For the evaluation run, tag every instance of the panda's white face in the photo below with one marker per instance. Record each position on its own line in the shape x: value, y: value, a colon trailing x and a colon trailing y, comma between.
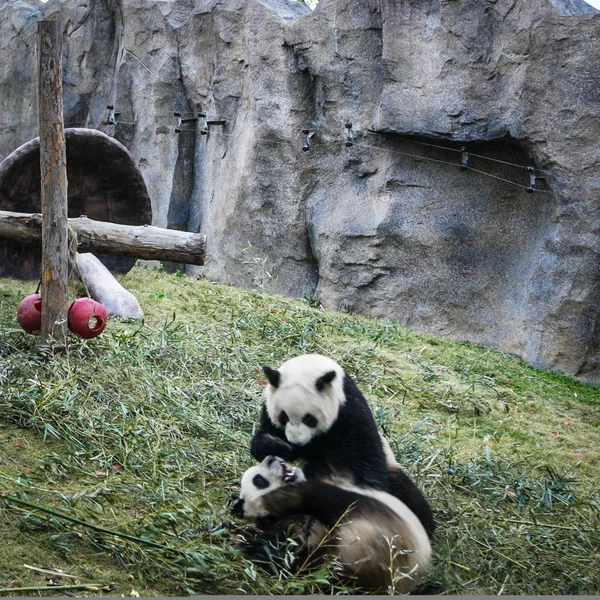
x: 304, y: 396
x: 271, y: 474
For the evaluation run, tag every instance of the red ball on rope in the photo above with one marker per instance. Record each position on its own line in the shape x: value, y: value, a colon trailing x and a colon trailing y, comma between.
x: 29, y: 314
x: 87, y: 318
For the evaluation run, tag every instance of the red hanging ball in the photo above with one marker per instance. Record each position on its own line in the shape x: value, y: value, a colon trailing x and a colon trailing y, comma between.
x: 87, y: 318
x: 29, y: 314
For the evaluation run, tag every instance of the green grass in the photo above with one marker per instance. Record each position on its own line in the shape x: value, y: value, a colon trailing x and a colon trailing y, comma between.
x: 145, y: 431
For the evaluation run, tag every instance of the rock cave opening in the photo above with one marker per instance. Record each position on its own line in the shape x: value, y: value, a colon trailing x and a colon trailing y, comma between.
x: 104, y: 184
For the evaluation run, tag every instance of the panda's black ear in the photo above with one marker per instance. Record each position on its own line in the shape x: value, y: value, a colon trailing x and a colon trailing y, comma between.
x: 324, y: 380
x: 273, y: 376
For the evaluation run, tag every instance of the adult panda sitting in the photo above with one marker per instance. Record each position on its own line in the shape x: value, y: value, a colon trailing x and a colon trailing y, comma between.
x: 379, y: 542
x: 313, y: 412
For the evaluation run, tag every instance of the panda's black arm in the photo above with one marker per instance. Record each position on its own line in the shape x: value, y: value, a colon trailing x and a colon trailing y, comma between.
x: 325, y: 502
x: 269, y: 440
x: 265, y: 444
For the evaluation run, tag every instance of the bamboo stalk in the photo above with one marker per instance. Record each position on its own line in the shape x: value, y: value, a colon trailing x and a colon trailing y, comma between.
x: 125, y: 536
x: 92, y: 587
x: 537, y: 524
x: 49, y: 572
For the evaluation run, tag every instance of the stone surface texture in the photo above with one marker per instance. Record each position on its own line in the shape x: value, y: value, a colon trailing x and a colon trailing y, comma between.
x: 389, y: 227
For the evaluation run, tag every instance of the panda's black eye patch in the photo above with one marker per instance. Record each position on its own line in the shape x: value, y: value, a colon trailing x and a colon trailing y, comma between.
x: 309, y: 420
x: 283, y: 418
x: 260, y: 482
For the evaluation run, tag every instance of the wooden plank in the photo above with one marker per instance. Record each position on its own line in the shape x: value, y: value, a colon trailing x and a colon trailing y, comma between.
x: 53, y: 167
x: 137, y: 241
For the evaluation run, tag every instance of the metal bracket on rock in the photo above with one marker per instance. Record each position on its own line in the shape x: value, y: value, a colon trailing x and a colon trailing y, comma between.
x: 307, y: 135
x: 111, y: 120
x: 209, y: 122
x: 464, y: 159
x: 350, y: 137
x: 181, y: 121
x: 533, y: 178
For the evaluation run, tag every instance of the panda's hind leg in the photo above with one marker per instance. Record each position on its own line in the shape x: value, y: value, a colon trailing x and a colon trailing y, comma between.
x: 405, y: 489
x: 268, y: 544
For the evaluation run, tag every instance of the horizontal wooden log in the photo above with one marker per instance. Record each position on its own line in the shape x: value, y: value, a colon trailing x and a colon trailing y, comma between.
x: 136, y: 241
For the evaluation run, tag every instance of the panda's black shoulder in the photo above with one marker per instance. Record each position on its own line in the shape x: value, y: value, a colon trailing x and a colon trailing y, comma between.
x: 355, y: 413
x: 351, y: 446
x: 351, y: 391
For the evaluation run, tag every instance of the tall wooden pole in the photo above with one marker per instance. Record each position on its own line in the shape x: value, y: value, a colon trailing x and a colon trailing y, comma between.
x: 53, y: 165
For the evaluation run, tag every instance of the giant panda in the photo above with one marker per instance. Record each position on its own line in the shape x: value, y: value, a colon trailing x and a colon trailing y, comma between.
x: 379, y: 542
x: 313, y: 412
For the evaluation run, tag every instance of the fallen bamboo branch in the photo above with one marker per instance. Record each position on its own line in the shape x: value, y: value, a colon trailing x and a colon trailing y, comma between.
x: 50, y: 572
x: 136, y: 241
x: 91, y: 587
x: 12, y: 499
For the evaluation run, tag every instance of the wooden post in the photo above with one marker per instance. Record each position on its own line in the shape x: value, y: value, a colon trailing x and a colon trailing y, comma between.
x: 53, y: 165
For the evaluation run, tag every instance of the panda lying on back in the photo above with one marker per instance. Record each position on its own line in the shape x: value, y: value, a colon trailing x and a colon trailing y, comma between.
x: 313, y: 412
x: 379, y: 542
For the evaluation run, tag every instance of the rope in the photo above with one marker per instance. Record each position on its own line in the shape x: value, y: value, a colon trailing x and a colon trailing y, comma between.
x: 72, y: 243
x: 416, y: 156
x: 73, y: 268
x: 360, y: 145
x: 370, y: 131
x: 504, y: 162
x: 445, y: 162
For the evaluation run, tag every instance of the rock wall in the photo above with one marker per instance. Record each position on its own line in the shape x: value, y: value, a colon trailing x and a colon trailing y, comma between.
x: 389, y: 227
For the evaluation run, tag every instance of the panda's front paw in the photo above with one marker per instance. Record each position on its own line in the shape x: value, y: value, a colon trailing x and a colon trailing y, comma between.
x: 265, y: 444
x: 237, y: 508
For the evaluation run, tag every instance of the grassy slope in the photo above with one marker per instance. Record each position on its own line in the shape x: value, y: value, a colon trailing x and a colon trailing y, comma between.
x: 145, y: 430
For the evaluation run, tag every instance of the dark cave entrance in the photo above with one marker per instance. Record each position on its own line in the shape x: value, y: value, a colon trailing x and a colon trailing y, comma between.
x: 104, y: 183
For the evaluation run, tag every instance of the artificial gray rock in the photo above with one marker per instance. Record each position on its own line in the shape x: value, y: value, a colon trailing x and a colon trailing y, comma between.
x: 390, y: 226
